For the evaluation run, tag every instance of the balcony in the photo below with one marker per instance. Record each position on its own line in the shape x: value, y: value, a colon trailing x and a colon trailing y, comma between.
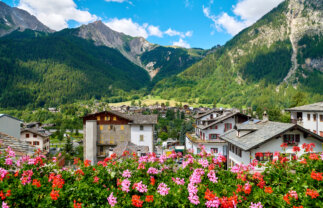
x: 196, y: 139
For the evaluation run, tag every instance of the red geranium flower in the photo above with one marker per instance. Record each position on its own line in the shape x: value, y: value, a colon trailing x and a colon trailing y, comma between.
x: 136, y: 201
x: 268, y: 190
x: 77, y: 205
x: 296, y: 149
x: 54, y: 194
x: 316, y: 176
x: 314, y: 156
x: 36, y: 183
x: 312, y: 193
x: 149, y: 198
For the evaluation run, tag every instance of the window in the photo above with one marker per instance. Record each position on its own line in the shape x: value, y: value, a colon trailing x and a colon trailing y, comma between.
x: 35, y: 135
x: 106, y: 118
x: 308, y: 117
x: 101, y: 127
x: 141, y: 127
x: 211, y: 116
x: 111, y: 140
x: 264, y: 156
x: 98, y: 118
x: 114, y: 118
x: 35, y: 143
x: 121, y: 127
x: 110, y: 127
x: 141, y: 138
x: 227, y: 126
x: 314, y: 117
x: 122, y: 138
x: 214, y: 150
x: 291, y: 139
x: 213, y: 136
x: 321, y: 118
x: 27, y: 135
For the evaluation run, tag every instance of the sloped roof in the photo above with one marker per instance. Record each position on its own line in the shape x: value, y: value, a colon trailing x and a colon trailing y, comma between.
x: 19, y: 146
x: 318, y: 107
x: 129, y: 146
x: 3, y: 115
x: 135, y: 118
x: 264, y: 132
x: 220, y: 119
x: 39, y: 131
x: 207, y: 113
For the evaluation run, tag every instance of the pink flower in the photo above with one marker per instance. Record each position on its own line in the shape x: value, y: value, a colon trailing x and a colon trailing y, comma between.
x: 96, y: 179
x: 256, y: 205
x: 10, y: 152
x: 152, y: 170
x: 321, y: 156
x: 235, y: 169
x: 126, y: 174
x: 212, y: 176
x: 112, y: 200
x: 163, y: 189
x: 203, y: 162
x: 125, y: 185
x: 54, y: 159
x: 192, y: 189
x: 142, y: 188
x: 8, y: 161
x: 179, y: 181
x: 213, y: 203
x: 3, y: 173
x: 293, y: 194
x: 162, y: 158
x: 194, y: 199
x: 4, y: 205
x: 31, y: 161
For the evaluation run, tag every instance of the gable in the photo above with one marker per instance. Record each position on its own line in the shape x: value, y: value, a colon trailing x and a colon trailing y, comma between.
x: 107, y: 117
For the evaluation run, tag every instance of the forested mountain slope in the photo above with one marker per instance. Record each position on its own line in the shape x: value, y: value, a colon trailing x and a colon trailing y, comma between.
x: 264, y: 64
x: 39, y: 68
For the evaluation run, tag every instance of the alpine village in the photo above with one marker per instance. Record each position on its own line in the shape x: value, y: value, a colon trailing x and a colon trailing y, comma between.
x: 92, y: 115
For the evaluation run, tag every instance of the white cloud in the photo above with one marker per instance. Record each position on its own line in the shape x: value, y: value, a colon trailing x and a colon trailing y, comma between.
x: 172, y: 32
x: 127, y: 26
x: 154, y: 31
x: 56, y: 13
x: 246, y: 12
x: 181, y: 43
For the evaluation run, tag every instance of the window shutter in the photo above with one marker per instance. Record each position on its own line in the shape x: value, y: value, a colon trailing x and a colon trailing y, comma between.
x: 285, y: 139
x: 297, y: 139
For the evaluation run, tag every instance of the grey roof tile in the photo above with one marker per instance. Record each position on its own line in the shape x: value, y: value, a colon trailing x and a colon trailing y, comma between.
x: 318, y: 107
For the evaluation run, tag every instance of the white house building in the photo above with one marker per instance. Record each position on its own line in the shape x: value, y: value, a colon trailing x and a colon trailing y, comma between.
x: 111, y: 131
x: 10, y: 125
x: 309, y: 116
x: 260, y: 140
x: 37, y: 137
x: 208, y: 128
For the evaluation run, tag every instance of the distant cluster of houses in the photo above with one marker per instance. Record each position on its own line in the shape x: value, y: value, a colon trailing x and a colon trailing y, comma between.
x: 231, y: 133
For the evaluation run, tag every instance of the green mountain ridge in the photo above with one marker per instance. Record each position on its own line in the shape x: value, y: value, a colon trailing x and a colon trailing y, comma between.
x: 264, y: 65
x: 57, y: 68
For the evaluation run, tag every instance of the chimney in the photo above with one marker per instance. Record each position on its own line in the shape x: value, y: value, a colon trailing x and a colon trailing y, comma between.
x: 265, y: 116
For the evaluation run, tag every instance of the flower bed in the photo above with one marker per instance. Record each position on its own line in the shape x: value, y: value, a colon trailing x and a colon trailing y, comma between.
x: 148, y: 181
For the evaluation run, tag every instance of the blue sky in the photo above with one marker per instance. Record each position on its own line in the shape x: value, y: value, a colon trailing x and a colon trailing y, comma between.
x: 186, y: 23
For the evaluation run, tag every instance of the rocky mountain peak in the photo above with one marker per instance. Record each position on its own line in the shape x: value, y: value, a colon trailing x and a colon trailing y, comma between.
x: 12, y: 18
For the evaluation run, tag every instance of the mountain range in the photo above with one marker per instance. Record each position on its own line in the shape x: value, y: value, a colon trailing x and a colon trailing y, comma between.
x: 269, y: 62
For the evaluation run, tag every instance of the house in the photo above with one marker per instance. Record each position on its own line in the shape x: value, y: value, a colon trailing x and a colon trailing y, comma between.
x: 20, y: 147
x: 308, y: 116
x: 208, y: 128
x: 261, y: 139
x: 10, y: 125
x: 112, y: 131
x: 37, y: 137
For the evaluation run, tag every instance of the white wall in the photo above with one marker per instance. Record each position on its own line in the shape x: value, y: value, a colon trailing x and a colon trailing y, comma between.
x: 311, y: 124
x: 10, y: 126
x: 274, y: 146
x: 38, y: 138
x: 148, y: 133
x: 219, y: 130
x: 90, y: 141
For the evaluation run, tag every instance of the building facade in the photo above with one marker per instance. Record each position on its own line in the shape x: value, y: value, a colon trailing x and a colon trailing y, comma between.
x: 37, y: 137
x: 10, y: 125
x: 308, y: 116
x: 209, y: 126
x: 261, y: 140
x: 112, y: 131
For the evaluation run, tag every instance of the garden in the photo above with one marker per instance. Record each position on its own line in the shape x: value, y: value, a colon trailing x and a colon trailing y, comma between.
x: 147, y: 181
